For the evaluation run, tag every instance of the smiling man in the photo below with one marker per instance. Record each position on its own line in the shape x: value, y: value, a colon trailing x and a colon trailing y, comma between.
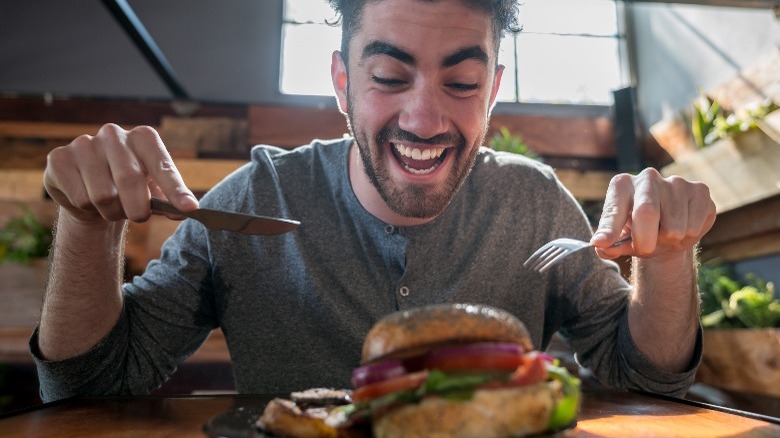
x: 411, y: 211
x: 419, y: 112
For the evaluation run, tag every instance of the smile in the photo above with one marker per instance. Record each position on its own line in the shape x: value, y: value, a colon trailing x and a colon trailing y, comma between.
x: 418, y: 161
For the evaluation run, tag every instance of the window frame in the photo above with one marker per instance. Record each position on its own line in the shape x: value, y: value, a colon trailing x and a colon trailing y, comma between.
x: 625, y: 61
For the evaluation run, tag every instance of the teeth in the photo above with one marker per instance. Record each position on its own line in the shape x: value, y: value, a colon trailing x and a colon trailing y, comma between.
x: 418, y: 154
x: 422, y: 171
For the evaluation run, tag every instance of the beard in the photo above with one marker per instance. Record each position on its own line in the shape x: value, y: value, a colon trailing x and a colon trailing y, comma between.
x: 419, y: 201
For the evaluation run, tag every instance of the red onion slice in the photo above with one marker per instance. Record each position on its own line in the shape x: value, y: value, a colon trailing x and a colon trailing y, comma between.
x: 377, y: 372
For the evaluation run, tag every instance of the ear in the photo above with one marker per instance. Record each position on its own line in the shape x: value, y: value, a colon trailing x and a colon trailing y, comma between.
x: 496, y: 84
x: 338, y: 74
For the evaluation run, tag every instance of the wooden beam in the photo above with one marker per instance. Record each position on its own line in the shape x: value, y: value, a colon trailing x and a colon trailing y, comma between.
x: 749, y: 231
x: 21, y: 184
x: 758, y: 245
x: 200, y: 174
x: 126, y: 112
x: 590, y: 186
x: 591, y: 137
x: 289, y: 127
x: 46, y: 130
x: 752, y: 219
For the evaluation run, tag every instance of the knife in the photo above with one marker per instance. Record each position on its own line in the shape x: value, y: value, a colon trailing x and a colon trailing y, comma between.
x: 230, y: 221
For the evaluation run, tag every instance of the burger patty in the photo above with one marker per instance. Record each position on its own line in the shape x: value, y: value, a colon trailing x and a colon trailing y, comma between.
x: 321, y: 397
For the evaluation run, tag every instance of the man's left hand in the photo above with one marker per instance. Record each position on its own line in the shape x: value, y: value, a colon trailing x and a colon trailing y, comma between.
x: 662, y: 215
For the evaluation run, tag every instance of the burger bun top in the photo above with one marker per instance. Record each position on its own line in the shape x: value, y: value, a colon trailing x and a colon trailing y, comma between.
x: 412, y: 332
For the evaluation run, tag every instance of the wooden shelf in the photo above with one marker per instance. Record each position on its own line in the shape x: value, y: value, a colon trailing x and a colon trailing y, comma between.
x: 746, y: 232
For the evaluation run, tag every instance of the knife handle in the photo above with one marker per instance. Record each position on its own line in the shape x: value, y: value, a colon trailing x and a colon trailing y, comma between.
x: 158, y: 206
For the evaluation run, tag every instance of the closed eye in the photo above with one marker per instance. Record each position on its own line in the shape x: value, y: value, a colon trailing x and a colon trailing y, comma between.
x: 387, y: 81
x: 463, y: 87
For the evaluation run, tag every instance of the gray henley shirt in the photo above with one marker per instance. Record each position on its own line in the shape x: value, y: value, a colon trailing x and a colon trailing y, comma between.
x: 294, y: 308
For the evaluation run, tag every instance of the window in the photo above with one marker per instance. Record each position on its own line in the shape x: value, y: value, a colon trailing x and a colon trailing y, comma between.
x: 567, y: 52
x: 307, y: 43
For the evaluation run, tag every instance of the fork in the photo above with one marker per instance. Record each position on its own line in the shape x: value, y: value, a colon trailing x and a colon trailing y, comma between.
x: 556, y: 250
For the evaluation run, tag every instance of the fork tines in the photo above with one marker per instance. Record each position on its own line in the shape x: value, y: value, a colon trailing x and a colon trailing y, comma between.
x: 553, y: 252
x: 545, y: 257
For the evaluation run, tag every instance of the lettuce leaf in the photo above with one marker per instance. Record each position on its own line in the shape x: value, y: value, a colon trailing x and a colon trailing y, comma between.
x: 565, y: 412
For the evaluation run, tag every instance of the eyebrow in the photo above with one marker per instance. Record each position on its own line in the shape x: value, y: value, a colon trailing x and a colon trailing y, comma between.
x: 473, y: 52
x: 382, y: 48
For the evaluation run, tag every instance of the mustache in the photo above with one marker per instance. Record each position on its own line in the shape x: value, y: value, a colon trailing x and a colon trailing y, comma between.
x: 395, y: 133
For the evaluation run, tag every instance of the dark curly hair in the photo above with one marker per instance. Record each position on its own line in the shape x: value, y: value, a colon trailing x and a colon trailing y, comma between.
x: 502, y: 12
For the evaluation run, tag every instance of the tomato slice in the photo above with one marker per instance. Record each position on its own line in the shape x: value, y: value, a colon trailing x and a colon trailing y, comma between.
x: 532, y: 371
x: 395, y: 384
x: 487, y: 362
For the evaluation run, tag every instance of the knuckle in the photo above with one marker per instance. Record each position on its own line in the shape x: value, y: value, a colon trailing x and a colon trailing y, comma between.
x: 144, y: 132
x: 58, y: 156
x: 674, y: 234
x: 678, y: 181
x: 81, y: 201
x: 83, y: 145
x: 103, y: 197
x: 651, y: 172
x: 84, y: 140
x: 646, y: 210
x: 701, y: 189
x: 128, y: 177
x: 621, y: 180
x: 693, y: 231
x: 110, y: 129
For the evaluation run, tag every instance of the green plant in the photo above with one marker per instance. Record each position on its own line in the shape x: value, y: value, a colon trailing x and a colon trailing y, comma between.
x: 728, y: 303
x: 24, y: 238
x: 704, y: 112
x: 710, y: 122
x: 505, y: 141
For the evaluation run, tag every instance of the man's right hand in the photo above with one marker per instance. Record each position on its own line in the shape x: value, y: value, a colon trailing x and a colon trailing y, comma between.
x: 112, y: 175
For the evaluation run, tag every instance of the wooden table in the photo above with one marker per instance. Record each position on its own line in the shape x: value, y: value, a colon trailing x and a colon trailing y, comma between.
x: 603, y: 414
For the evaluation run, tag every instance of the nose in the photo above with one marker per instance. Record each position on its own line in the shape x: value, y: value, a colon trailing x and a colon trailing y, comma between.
x: 423, y: 113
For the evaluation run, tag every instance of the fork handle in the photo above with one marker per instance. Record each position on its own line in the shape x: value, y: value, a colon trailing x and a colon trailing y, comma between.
x: 621, y: 241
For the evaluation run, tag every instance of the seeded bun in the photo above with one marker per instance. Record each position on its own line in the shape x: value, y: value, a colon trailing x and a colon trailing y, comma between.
x: 406, y: 334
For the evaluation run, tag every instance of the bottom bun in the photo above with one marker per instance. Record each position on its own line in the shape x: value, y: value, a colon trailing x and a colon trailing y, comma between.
x: 490, y: 413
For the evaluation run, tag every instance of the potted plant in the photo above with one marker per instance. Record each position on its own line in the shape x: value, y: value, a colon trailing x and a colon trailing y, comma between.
x: 741, y: 321
x: 24, y: 239
x: 736, y: 153
x: 24, y: 246
x: 504, y: 140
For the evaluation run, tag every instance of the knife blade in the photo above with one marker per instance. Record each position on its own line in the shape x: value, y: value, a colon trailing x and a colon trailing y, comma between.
x: 230, y: 221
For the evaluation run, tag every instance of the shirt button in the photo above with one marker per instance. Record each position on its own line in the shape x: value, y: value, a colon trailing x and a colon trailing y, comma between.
x: 403, y: 291
x: 389, y: 229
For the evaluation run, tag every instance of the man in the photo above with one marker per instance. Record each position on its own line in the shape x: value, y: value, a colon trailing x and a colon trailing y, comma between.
x: 411, y: 212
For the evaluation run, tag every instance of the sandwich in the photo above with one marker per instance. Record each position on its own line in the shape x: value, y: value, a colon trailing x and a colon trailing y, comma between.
x: 454, y: 370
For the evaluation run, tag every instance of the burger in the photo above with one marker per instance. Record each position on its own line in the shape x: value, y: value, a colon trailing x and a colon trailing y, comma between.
x: 455, y: 370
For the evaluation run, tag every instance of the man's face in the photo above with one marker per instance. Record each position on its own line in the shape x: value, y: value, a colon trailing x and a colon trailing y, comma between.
x: 421, y: 79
